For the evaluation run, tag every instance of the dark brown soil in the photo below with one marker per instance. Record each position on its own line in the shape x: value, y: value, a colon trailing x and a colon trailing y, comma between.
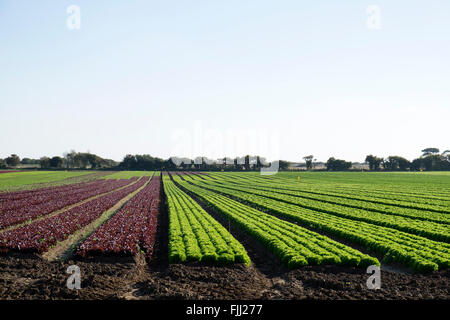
x: 29, y: 277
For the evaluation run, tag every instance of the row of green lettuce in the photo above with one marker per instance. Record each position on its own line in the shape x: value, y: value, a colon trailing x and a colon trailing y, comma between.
x: 194, y: 235
x: 430, y: 229
x: 436, y: 185
x: 418, y: 191
x: 432, y: 210
x: 417, y: 252
x: 293, y: 245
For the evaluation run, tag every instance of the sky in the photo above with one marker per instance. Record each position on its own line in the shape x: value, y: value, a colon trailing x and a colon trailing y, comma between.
x: 282, y: 79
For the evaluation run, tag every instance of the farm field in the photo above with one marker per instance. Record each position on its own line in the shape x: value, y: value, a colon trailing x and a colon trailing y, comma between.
x: 11, y: 181
x: 129, y: 174
x: 224, y: 235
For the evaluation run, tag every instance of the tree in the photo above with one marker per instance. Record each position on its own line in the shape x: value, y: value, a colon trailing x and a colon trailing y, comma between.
x: 429, y: 162
x: 13, y: 160
x: 69, y: 159
x: 429, y: 151
x: 94, y: 160
x: 56, y: 162
x: 83, y: 160
x: 129, y: 162
x: 432, y: 160
x: 283, y: 165
x: 261, y: 162
x: 374, y: 162
x: 86, y: 160
x: 44, y: 162
x: 396, y: 163
x: 140, y: 162
x: 370, y: 159
x: 403, y: 164
x: 26, y: 161
x: 337, y: 164
x: 247, y: 163
x: 109, y: 163
x: 416, y: 164
x: 2, y: 164
x: 309, y: 162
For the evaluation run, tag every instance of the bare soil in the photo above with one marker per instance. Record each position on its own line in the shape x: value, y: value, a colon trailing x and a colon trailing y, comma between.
x: 30, y: 277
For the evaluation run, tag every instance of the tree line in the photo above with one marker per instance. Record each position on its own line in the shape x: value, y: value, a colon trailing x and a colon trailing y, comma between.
x: 79, y: 160
x: 70, y: 160
x: 430, y: 160
x: 246, y: 163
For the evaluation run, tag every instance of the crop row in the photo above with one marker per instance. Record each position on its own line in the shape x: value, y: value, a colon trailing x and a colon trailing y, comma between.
x: 406, y: 182
x: 354, y: 198
x: 361, y: 192
x: 419, y: 253
x: 429, y: 229
x: 43, y: 187
x: 12, y: 196
x: 48, y: 195
x: 424, y: 194
x: 131, y: 230
x: 40, y: 235
x: 56, y: 201
x: 410, y: 188
x: 194, y: 235
x: 293, y: 245
x: 404, y: 201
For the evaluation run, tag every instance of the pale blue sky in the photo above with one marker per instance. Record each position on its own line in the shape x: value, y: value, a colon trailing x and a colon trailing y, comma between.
x: 309, y: 76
